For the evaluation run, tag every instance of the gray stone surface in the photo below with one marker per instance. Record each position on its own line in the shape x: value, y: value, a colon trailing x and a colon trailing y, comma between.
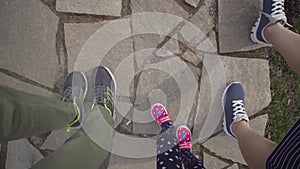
x: 234, y: 166
x: 230, y: 149
x: 218, y: 72
x: 213, y: 162
x: 193, y: 3
x: 21, y: 154
x: 57, y: 138
x: 25, y: 87
x: 213, y: 39
x: 178, y: 87
x: 198, y: 40
x: 191, y: 57
x: 212, y: 85
x: 204, y: 18
x: 236, y: 19
x: 195, y: 32
x: 103, y: 7
x: 77, y: 34
x: 259, y: 123
x: 163, y: 6
x: 28, y: 37
x: 151, y: 41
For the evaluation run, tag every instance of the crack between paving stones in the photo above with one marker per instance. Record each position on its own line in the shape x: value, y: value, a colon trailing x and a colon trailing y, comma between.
x: 62, y: 55
x: 260, y: 113
x: 194, y: 108
x: 26, y: 80
x: 185, y: 45
x: 187, y: 7
x: 45, y: 136
x: 216, y: 28
x: 170, y: 35
x: 228, y: 161
x: 68, y: 17
x: 126, y: 8
x: 252, y: 54
x: 3, y: 155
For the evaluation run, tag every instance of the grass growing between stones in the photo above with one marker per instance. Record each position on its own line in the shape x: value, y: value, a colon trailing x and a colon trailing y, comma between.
x: 284, y: 109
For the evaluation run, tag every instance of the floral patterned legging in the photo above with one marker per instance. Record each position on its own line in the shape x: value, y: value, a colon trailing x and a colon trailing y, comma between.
x: 168, y: 154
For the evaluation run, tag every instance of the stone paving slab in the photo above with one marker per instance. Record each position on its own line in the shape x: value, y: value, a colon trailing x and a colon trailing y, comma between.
x: 217, y: 73
x: 191, y: 57
x: 236, y: 19
x: 230, y: 149
x: 204, y: 18
x: 21, y: 154
x: 77, y: 34
x: 151, y: 41
x: 163, y: 6
x: 234, y: 166
x: 176, y: 82
x: 28, y: 40
x: 213, y: 162
x: 103, y: 7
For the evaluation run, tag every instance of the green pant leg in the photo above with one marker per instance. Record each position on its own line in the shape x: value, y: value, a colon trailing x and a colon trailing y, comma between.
x: 23, y: 114
x: 87, y: 149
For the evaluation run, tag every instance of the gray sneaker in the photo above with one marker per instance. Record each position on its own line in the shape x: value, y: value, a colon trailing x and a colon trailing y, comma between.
x: 75, y: 90
x: 104, y: 89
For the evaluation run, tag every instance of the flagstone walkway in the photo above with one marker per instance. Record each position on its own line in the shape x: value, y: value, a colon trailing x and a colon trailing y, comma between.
x: 180, y: 53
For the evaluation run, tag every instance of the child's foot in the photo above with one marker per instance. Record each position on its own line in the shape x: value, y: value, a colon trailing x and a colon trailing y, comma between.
x: 272, y: 12
x: 184, y: 137
x: 160, y: 114
x: 233, y: 107
x: 104, y: 89
x: 75, y: 90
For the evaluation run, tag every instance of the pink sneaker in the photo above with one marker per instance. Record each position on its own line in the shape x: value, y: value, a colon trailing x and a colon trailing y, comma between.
x: 160, y: 114
x: 184, y: 137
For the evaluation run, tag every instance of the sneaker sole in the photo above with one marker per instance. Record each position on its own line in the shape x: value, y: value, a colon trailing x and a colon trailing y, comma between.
x: 255, y: 27
x: 254, y: 31
x: 183, y: 126
x: 223, y: 104
x: 114, y: 80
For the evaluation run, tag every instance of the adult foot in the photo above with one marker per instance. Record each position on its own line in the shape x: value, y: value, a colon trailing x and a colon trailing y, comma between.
x: 104, y: 89
x: 233, y: 107
x: 75, y: 90
x: 272, y: 12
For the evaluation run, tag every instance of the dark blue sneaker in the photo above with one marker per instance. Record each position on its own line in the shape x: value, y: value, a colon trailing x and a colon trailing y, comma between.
x: 272, y: 12
x: 104, y: 89
x: 75, y: 90
x: 233, y: 107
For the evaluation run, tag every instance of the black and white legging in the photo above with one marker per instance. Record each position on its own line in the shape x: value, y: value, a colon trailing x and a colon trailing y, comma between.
x: 168, y: 154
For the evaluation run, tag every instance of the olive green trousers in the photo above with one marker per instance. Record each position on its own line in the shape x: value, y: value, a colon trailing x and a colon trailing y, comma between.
x: 23, y: 115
